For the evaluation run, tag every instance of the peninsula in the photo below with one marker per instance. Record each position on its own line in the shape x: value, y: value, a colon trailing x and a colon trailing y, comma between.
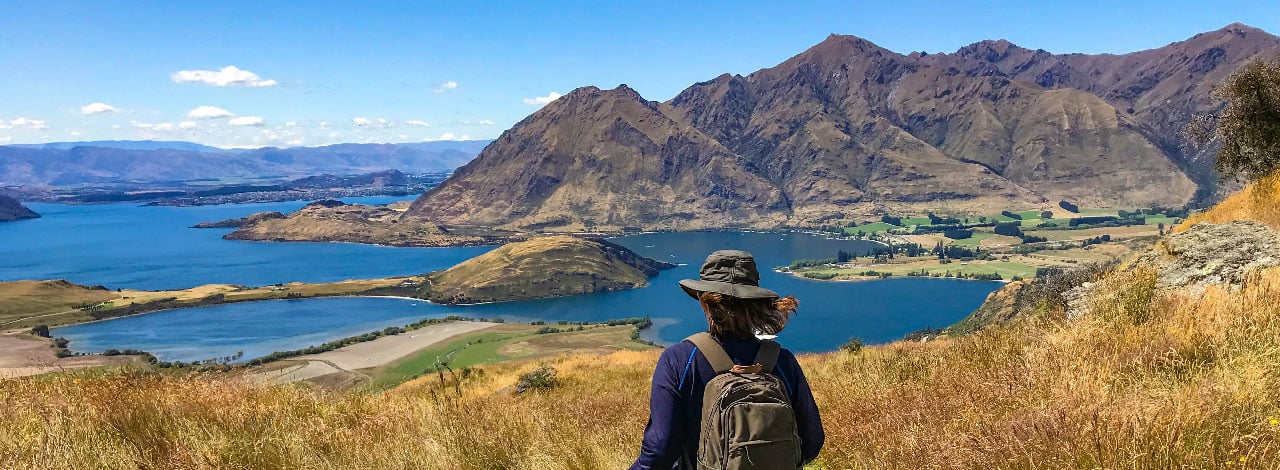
x: 538, y: 268
x: 12, y: 209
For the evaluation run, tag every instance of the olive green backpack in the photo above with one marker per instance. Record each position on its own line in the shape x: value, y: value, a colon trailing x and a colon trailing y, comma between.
x: 747, y: 420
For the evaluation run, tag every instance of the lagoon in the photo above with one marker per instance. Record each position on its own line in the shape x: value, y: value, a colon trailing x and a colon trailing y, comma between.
x: 120, y: 245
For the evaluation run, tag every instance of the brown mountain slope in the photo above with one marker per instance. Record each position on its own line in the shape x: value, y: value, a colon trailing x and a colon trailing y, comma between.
x: 1160, y: 89
x: 604, y: 159
x: 848, y: 128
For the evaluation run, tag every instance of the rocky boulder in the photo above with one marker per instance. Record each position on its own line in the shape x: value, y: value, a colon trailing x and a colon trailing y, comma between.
x: 1213, y: 254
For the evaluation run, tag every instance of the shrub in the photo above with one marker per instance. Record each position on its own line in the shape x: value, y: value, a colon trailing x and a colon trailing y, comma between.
x: 542, y: 378
x: 1069, y: 207
x: 41, y: 331
x: 854, y: 346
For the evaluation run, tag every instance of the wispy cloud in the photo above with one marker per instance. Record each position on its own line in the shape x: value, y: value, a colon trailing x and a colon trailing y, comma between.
x: 246, y: 121
x: 97, y: 108
x: 24, y: 123
x: 447, y: 136
x: 186, y: 125
x: 485, y: 122
x: 446, y: 86
x: 224, y: 77
x: 542, y: 100
x: 154, y: 127
x: 416, y: 123
x: 209, y: 112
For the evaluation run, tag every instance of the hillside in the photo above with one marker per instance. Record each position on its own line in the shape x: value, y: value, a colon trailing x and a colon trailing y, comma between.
x: 335, y: 221
x: 12, y: 209
x: 66, y: 164
x: 847, y: 129
x: 541, y: 267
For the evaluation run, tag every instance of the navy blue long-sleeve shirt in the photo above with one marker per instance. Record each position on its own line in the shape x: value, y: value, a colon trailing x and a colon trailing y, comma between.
x: 675, y: 404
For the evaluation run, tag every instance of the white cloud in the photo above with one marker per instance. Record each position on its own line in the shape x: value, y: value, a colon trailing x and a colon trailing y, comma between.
x: 115, y: 126
x: 74, y: 133
x: 448, y: 136
x: 25, y: 123
x: 542, y: 100
x: 360, y: 121
x: 6, y: 139
x: 325, y: 124
x: 188, y: 125
x: 209, y: 112
x: 446, y: 86
x: 485, y: 122
x: 96, y: 108
x: 416, y: 123
x: 291, y: 124
x: 245, y: 121
x: 227, y: 76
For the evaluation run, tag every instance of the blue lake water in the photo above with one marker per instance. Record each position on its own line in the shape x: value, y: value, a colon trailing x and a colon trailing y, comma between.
x: 152, y: 248
x: 124, y: 245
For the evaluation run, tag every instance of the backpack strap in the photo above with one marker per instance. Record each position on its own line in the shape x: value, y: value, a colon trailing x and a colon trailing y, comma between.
x: 712, y: 350
x: 768, y: 355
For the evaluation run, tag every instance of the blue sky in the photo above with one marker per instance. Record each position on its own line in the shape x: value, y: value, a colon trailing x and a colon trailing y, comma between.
x: 320, y: 72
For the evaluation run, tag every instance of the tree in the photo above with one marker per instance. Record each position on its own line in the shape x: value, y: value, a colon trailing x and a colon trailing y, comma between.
x: 41, y: 331
x: 1247, y: 130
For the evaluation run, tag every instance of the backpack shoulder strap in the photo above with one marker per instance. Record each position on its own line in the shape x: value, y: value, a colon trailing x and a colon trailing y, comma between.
x: 768, y: 355
x: 711, y: 350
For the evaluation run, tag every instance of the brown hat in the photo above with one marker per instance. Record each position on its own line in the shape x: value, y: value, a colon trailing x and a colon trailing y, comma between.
x: 728, y: 272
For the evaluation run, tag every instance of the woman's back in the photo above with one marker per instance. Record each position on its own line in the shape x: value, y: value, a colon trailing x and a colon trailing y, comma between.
x: 679, y: 381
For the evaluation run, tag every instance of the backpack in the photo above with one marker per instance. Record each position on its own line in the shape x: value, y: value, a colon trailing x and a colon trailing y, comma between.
x: 747, y: 420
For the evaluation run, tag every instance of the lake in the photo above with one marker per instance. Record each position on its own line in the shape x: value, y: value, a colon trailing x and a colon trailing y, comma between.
x: 151, y: 247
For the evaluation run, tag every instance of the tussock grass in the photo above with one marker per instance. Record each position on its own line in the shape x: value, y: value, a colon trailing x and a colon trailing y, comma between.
x: 1259, y: 201
x: 1145, y: 379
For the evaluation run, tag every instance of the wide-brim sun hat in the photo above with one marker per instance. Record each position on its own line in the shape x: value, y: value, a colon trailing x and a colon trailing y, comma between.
x: 728, y: 272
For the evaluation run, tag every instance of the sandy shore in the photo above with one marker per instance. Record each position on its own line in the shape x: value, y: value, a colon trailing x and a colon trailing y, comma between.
x: 368, y: 354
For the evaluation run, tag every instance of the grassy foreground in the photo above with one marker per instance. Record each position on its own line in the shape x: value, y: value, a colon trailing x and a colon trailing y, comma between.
x: 1146, y: 379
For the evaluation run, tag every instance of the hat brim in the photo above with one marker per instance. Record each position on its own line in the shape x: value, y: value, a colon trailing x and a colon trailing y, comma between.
x: 693, y: 287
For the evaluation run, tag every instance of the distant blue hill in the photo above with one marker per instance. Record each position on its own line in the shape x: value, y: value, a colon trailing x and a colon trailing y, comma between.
x: 75, y: 163
x: 125, y: 145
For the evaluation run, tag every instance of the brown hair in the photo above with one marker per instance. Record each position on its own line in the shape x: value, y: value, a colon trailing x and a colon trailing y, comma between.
x: 731, y: 317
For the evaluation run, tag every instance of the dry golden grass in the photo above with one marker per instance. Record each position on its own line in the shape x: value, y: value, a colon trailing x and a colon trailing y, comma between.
x: 1144, y: 380
x: 1258, y: 201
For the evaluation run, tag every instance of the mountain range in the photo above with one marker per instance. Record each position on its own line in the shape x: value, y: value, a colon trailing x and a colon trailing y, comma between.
x: 74, y: 163
x: 848, y: 129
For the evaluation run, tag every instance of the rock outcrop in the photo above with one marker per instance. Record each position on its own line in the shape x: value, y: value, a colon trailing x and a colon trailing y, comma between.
x: 1212, y: 254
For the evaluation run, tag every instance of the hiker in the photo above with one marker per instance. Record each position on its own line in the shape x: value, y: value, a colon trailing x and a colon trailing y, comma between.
x: 773, y: 423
